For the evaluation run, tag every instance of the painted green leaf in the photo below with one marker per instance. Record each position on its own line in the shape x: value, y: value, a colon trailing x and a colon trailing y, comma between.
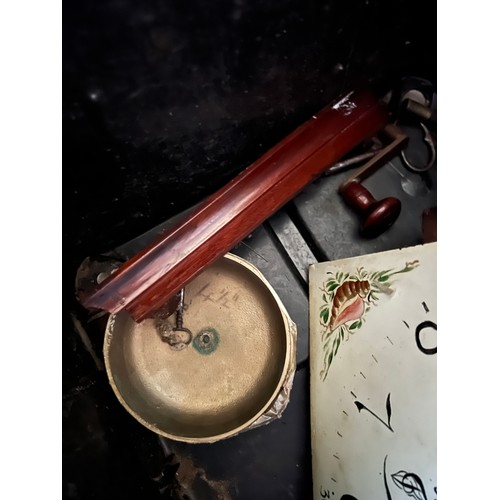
x: 324, y: 315
x: 382, y: 273
x: 337, y: 345
x: 333, y: 339
x: 328, y: 335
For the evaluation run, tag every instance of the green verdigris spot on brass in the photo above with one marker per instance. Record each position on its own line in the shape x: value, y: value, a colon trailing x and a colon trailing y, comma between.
x: 206, y: 341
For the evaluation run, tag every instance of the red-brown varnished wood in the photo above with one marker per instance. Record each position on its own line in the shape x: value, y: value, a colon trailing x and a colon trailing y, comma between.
x: 155, y: 274
x: 376, y: 216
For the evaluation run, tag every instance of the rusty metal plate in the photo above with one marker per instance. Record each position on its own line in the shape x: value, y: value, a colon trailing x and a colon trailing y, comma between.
x: 229, y: 375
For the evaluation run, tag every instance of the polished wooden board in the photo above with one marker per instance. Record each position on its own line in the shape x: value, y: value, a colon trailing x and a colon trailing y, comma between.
x: 150, y: 278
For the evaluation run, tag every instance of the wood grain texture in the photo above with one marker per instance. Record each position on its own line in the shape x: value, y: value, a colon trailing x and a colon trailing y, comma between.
x: 155, y: 274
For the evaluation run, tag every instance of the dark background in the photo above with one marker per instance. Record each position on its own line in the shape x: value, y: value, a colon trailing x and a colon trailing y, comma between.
x: 163, y: 103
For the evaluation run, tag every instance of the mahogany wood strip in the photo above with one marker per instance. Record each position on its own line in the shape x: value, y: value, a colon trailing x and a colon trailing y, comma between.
x: 155, y: 274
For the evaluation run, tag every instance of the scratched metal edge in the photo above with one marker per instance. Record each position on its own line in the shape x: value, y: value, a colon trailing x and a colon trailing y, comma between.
x: 293, y: 243
x: 276, y: 268
x: 313, y: 272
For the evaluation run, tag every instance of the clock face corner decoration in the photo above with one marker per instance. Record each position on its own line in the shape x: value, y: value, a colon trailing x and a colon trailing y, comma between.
x: 373, y: 352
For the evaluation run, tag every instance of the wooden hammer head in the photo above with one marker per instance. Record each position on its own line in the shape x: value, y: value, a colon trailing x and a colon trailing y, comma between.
x: 376, y: 215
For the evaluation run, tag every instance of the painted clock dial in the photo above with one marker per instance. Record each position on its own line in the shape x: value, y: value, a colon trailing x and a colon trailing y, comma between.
x: 373, y: 353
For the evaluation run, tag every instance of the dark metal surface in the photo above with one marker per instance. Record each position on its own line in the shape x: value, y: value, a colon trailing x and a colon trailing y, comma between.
x: 264, y: 251
x: 293, y: 243
x: 334, y: 228
x: 270, y: 462
x: 163, y: 103
x: 274, y: 461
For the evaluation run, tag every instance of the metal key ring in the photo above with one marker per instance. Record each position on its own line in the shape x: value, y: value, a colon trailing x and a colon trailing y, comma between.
x: 430, y: 143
